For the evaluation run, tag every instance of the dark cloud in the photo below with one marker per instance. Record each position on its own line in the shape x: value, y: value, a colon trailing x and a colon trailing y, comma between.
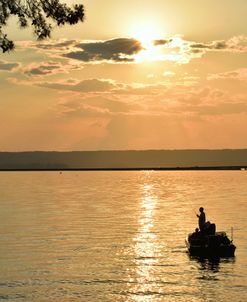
x: 199, y: 45
x: 82, y: 56
x: 219, y: 45
x: 44, y: 69
x: 92, y: 85
x: 116, y: 50
x: 161, y: 42
x: 216, y: 45
x: 7, y: 66
x: 196, y: 51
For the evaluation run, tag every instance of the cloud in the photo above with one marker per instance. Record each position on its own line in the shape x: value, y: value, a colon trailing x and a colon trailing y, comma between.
x: 205, y: 101
x: 199, y: 45
x: 238, y: 74
x: 235, y: 44
x: 168, y: 73
x: 47, y: 68
x: 86, y: 112
x: 96, y: 86
x: 97, y: 106
x: 128, y: 50
x: 179, y: 102
x: 117, y: 50
x: 161, y: 42
x: 217, y: 109
x: 85, y: 86
x: 59, y: 45
x: 137, y: 89
x: 217, y: 45
x: 182, y: 51
x: 6, y: 66
x: 223, y: 108
x: 103, y: 86
x: 51, y: 47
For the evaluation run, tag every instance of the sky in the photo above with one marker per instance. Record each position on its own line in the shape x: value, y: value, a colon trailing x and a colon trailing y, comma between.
x: 139, y: 74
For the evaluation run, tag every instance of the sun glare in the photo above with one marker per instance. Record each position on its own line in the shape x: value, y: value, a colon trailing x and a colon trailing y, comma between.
x: 169, y: 51
x: 146, y: 33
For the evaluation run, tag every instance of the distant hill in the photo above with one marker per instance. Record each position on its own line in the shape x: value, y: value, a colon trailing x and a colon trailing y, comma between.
x: 148, y: 159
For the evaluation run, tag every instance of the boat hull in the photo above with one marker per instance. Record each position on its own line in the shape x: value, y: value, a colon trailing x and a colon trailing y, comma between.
x: 216, y: 244
x: 211, y: 251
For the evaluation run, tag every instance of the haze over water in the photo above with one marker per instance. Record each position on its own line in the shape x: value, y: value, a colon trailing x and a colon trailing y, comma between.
x: 118, y: 236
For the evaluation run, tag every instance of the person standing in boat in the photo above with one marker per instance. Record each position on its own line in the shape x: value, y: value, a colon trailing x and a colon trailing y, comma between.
x: 202, y: 219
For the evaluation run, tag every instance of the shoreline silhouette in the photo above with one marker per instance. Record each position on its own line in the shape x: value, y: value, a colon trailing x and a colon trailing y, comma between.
x: 228, y: 159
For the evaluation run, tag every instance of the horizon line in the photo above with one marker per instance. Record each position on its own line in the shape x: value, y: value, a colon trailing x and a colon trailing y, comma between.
x: 124, y: 150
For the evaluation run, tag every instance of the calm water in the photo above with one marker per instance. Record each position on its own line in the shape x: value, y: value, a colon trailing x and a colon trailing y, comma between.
x: 118, y: 236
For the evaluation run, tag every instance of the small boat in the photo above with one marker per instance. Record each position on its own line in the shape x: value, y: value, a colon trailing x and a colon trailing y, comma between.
x: 215, y: 244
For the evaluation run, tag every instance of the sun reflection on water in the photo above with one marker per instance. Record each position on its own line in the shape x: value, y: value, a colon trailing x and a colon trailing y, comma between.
x: 146, y: 248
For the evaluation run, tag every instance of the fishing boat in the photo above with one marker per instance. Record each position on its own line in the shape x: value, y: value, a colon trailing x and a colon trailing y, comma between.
x: 210, y: 244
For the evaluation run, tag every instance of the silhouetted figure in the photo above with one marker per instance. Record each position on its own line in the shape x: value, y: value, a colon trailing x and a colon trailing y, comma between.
x: 196, y: 234
x: 202, y: 219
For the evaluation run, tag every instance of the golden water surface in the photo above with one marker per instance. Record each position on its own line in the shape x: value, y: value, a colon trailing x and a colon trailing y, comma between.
x: 118, y: 236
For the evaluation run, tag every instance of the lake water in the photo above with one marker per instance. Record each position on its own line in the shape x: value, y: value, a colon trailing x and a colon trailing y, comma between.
x: 118, y: 236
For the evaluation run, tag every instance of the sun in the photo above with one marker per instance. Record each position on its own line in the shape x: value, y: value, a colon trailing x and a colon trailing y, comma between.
x: 147, y: 33
x: 157, y: 46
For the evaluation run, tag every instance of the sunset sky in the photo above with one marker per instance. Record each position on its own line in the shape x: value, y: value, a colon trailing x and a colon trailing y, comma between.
x: 137, y: 74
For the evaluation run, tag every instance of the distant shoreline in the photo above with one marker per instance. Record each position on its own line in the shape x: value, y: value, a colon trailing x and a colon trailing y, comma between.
x: 158, y: 160
x: 211, y: 168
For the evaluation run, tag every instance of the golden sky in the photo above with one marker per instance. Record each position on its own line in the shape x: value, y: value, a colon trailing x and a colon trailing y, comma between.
x: 139, y: 74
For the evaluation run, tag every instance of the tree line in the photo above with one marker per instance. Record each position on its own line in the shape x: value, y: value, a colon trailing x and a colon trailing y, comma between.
x: 41, y: 15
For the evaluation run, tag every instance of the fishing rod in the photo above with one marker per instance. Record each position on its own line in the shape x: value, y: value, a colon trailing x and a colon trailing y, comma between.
x: 192, y: 207
x: 231, y: 233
